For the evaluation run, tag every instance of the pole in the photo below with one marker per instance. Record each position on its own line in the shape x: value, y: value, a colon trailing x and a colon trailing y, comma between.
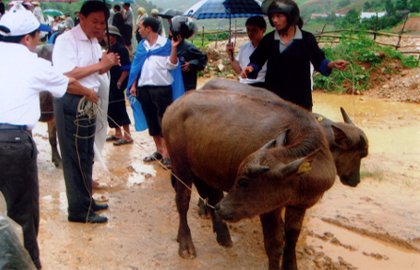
x: 202, y: 39
x: 107, y: 30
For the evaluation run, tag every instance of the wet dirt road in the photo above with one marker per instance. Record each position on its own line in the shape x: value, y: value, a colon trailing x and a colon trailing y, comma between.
x: 373, y: 226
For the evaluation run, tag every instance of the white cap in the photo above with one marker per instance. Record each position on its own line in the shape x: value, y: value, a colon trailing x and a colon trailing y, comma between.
x: 19, y: 23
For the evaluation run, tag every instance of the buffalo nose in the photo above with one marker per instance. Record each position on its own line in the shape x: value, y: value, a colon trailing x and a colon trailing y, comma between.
x: 217, y: 207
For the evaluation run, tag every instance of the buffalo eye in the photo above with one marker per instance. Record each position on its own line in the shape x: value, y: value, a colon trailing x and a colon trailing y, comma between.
x: 243, y: 183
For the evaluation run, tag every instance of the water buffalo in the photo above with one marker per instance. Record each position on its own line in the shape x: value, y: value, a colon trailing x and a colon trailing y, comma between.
x: 46, y: 100
x: 268, y: 154
x: 348, y: 143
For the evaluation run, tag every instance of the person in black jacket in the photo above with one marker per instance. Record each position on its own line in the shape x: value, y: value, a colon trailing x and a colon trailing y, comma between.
x: 2, y: 9
x: 118, y: 20
x: 190, y: 58
x: 117, y: 111
x: 289, y: 52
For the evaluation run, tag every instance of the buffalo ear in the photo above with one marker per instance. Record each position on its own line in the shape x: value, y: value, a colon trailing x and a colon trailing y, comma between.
x: 299, y: 166
x: 340, y: 137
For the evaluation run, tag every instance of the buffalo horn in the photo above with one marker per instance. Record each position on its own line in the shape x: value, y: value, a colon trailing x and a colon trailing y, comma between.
x: 278, y: 141
x: 258, y: 169
x: 345, y: 116
x: 269, y: 144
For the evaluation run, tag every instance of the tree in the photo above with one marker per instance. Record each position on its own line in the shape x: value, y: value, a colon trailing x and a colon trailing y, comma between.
x: 414, y: 5
x: 389, y: 7
x: 350, y: 21
x: 401, y: 5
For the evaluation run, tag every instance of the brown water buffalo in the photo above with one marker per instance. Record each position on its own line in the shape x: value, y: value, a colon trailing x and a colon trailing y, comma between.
x: 268, y: 154
x: 348, y: 143
x: 46, y: 100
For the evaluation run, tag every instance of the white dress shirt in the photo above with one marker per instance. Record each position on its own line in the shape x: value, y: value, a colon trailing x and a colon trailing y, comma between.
x: 156, y: 69
x: 243, y: 58
x: 23, y: 76
x: 74, y: 49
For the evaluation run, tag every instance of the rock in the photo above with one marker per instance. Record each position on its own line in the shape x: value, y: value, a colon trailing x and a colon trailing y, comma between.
x: 221, y: 67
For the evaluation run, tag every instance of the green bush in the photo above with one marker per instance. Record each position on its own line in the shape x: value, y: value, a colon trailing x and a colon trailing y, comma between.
x: 355, y: 49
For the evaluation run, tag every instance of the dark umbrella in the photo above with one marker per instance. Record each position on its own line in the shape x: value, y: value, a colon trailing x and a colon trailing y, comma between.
x: 215, y: 9
x: 169, y: 13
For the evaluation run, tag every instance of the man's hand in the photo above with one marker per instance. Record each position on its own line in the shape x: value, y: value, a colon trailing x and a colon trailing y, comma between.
x: 339, y: 64
x: 109, y: 60
x: 186, y: 66
x: 246, y: 70
x: 230, y: 49
x: 91, y: 95
x: 133, y: 90
x: 176, y: 43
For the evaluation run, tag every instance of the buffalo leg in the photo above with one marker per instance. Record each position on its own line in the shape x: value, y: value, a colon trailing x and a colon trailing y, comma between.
x: 292, y: 229
x: 52, y: 137
x: 202, y: 209
x: 184, y: 238
x: 219, y: 226
x: 272, y: 225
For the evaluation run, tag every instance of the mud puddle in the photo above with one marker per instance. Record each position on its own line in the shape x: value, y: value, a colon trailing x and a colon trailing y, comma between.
x: 372, y: 226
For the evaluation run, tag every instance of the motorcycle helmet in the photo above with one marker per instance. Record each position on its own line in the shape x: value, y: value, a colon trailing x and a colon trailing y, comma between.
x: 183, y: 26
x: 286, y: 7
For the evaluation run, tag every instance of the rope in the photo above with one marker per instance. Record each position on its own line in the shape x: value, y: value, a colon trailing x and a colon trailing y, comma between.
x: 90, y: 109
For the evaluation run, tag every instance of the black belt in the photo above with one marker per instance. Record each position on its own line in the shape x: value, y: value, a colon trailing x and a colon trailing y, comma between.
x: 12, y: 127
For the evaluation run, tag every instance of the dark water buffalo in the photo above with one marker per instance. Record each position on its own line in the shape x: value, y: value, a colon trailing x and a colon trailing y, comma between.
x: 348, y: 143
x: 268, y: 154
x: 47, y: 113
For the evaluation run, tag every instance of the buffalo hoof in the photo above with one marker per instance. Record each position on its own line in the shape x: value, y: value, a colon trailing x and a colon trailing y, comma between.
x: 58, y: 163
x: 224, y: 240
x: 187, y: 252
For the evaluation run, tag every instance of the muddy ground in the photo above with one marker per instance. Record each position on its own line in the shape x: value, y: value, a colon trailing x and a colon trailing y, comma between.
x: 373, y: 226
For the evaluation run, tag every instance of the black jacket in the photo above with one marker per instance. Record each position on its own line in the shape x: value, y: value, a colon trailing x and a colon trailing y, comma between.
x: 198, y: 60
x: 288, y: 73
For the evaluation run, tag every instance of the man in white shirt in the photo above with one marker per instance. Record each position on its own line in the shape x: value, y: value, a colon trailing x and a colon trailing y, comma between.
x: 69, y: 21
x: 255, y: 29
x: 38, y: 12
x: 23, y: 76
x: 151, y: 79
x: 77, y: 54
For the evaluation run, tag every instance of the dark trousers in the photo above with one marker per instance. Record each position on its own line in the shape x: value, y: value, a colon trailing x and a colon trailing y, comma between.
x: 19, y: 185
x: 154, y: 100
x: 76, y: 135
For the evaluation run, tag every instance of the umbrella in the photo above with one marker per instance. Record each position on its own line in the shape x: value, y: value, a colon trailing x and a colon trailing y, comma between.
x: 123, y: 1
x: 53, y: 12
x: 169, y: 13
x: 214, y: 9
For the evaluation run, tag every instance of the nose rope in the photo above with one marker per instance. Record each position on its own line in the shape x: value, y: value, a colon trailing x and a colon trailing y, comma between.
x: 91, y: 109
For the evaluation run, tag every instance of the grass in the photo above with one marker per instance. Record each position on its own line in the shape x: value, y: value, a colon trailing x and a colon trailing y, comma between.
x: 377, y: 174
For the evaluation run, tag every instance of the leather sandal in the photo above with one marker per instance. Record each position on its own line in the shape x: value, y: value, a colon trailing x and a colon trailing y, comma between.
x: 155, y: 156
x: 122, y: 142
x: 166, y: 162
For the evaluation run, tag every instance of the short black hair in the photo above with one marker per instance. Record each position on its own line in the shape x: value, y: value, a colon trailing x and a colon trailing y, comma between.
x: 256, y: 21
x: 127, y: 4
x: 16, y: 39
x: 152, y: 22
x: 117, y: 7
x: 94, y: 6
